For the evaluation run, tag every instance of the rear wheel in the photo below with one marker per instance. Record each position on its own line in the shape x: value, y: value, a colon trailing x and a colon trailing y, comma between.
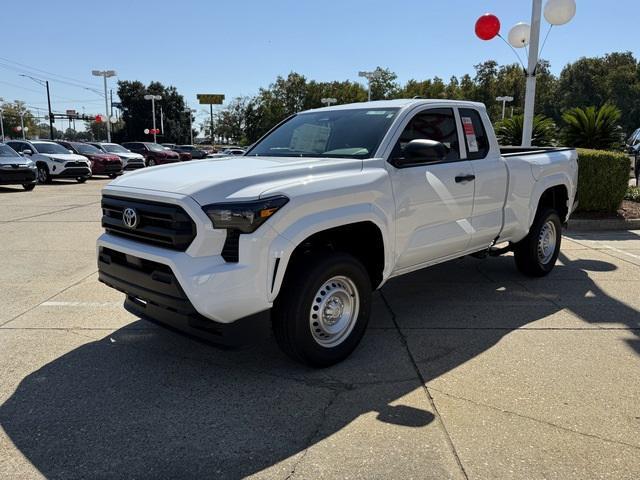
x: 323, y: 309
x: 536, y: 254
x: 28, y: 186
x: 43, y: 174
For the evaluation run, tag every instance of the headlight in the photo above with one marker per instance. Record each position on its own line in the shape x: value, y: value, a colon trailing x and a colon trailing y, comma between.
x: 245, y: 217
x: 58, y: 160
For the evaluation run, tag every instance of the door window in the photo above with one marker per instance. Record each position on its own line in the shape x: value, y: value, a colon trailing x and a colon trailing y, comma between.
x: 475, y: 135
x: 437, y: 124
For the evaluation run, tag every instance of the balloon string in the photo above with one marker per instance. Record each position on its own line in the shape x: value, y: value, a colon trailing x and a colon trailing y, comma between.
x: 514, y: 51
x: 545, y: 41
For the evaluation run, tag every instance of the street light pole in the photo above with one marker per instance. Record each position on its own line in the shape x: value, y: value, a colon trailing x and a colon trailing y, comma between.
x: 105, y: 74
x: 369, y: 76
x: 530, y: 92
x: 22, y: 113
x: 1, y: 126
x: 328, y: 101
x: 504, y: 101
x: 190, y: 112
x: 153, y: 99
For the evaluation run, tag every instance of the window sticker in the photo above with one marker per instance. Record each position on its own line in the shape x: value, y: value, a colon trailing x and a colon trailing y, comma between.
x: 470, y: 133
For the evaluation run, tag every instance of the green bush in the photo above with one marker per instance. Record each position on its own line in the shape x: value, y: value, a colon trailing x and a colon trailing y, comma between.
x: 593, y: 127
x: 509, y: 131
x: 633, y: 194
x: 603, y: 180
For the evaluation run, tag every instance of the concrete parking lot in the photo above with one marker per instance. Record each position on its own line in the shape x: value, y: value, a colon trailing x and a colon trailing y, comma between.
x: 469, y: 370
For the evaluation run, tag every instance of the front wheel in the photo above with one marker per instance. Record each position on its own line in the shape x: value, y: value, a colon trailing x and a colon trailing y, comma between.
x: 43, y: 174
x: 151, y: 162
x: 323, y: 309
x: 113, y: 175
x: 81, y: 179
x: 28, y: 186
x: 536, y: 254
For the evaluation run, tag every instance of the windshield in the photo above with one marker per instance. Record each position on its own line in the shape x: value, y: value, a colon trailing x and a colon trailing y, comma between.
x: 6, y: 151
x: 114, y: 148
x: 52, y: 148
x: 353, y: 133
x: 154, y: 147
x: 187, y: 147
x: 86, y: 149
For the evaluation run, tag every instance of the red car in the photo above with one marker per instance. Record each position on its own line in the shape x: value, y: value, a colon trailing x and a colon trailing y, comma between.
x: 154, y: 153
x: 101, y: 163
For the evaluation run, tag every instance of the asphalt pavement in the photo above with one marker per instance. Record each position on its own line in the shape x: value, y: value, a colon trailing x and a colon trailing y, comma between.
x: 469, y: 370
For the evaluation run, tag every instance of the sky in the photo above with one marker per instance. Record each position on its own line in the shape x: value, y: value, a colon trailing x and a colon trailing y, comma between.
x: 236, y: 47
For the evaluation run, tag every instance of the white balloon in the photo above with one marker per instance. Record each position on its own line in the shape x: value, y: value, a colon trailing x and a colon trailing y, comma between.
x: 113, y: 119
x: 519, y: 35
x: 146, y: 131
x: 559, y: 12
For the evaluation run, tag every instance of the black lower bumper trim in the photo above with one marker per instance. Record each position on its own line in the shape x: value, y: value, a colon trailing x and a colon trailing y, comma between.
x: 153, y: 293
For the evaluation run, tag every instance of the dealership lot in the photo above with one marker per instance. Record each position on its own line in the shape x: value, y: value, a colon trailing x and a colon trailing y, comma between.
x: 468, y: 370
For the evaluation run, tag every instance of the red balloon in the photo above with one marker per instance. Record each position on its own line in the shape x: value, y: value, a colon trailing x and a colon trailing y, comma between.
x: 98, y: 118
x: 487, y: 26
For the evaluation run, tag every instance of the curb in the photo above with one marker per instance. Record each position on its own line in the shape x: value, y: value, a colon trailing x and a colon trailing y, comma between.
x: 584, y: 225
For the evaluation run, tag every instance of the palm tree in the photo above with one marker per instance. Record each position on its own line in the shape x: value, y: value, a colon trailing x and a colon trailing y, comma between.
x: 509, y: 131
x: 592, y: 127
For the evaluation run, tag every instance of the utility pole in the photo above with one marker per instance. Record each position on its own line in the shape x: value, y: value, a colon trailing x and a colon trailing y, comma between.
x: 1, y: 126
x: 161, y: 121
x: 190, y: 112
x: 153, y: 99
x: 50, y: 112
x: 530, y: 93
x: 105, y: 74
x: 22, y: 114
x: 211, y: 113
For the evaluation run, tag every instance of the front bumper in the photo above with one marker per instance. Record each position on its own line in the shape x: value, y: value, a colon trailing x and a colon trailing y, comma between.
x: 154, y: 293
x: 17, y: 176
x: 71, y: 172
x: 106, y: 169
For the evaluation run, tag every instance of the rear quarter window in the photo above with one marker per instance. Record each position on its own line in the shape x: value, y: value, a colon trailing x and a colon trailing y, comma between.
x: 475, y: 135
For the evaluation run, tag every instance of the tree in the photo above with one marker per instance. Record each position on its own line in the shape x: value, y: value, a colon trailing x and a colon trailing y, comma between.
x: 592, y: 127
x: 509, y: 131
x: 136, y: 112
x: 383, y: 84
x: 11, y: 120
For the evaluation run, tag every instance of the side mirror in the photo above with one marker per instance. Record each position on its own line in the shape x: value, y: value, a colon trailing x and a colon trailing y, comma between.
x: 70, y: 151
x: 421, y: 151
x: 27, y: 151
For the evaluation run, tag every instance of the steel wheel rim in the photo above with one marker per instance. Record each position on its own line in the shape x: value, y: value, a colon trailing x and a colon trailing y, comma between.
x: 334, y: 311
x: 547, y: 242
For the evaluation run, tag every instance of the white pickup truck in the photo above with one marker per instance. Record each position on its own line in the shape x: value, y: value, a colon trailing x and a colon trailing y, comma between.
x: 323, y: 210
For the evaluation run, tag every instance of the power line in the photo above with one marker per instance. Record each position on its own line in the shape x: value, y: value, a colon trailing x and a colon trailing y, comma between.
x: 27, y: 72
x: 45, y: 71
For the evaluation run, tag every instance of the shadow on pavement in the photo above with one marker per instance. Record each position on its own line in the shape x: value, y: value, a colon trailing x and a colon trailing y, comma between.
x: 145, y: 402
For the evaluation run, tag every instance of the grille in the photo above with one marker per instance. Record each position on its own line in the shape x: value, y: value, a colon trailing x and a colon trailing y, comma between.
x: 112, y: 167
x: 230, y: 250
x: 17, y: 175
x: 75, y: 164
x: 160, y: 224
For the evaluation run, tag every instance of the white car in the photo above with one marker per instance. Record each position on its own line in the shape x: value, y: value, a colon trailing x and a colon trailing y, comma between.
x: 53, y: 161
x: 227, y: 152
x: 322, y: 211
x: 130, y: 160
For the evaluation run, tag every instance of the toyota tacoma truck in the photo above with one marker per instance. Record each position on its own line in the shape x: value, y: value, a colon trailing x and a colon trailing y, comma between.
x: 330, y: 204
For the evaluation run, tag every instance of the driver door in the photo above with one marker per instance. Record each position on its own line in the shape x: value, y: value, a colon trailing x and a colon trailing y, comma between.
x: 434, y: 200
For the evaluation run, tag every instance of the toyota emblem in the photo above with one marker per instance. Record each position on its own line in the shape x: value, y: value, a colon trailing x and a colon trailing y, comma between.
x: 130, y: 218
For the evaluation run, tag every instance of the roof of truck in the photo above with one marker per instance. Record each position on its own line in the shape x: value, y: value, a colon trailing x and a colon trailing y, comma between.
x: 401, y: 103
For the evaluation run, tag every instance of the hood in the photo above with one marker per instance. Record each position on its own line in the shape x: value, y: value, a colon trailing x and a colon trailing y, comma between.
x: 230, y: 178
x: 66, y: 156
x: 129, y: 156
x: 17, y: 160
x: 104, y: 157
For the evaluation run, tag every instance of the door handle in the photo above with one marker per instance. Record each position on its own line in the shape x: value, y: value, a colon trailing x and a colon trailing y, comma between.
x: 465, y: 178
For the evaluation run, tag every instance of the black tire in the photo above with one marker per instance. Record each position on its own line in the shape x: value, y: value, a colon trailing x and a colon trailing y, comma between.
x: 531, y: 256
x: 113, y: 175
x: 151, y: 162
x: 81, y: 179
x: 300, y: 296
x: 43, y: 173
x: 28, y: 186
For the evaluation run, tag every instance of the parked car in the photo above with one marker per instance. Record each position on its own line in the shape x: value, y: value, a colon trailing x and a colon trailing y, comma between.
x: 153, y: 153
x: 633, y: 142
x: 184, y: 155
x: 228, y: 152
x: 195, y: 152
x: 321, y: 211
x: 101, y: 163
x: 15, y: 169
x: 130, y: 160
x: 53, y: 161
